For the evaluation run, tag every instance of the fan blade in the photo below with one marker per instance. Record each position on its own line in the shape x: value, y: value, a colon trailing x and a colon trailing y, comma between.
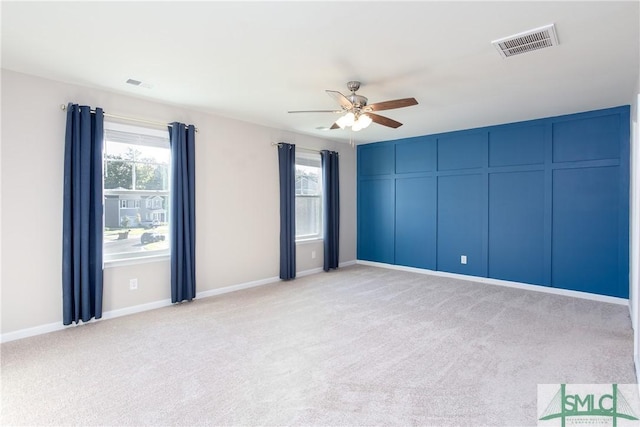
x: 334, y: 126
x: 342, y: 100
x: 390, y: 105
x: 384, y: 121
x: 315, y: 111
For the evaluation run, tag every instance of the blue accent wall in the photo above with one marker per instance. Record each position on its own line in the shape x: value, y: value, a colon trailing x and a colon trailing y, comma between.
x: 415, y: 222
x: 516, y: 224
x: 461, y: 213
x: 376, y: 229
x: 544, y: 202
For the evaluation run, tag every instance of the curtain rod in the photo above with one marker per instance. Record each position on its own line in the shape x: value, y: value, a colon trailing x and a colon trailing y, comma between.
x: 130, y: 119
x: 277, y: 144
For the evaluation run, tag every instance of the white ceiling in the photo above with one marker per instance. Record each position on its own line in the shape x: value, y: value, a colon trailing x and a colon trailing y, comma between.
x: 257, y: 60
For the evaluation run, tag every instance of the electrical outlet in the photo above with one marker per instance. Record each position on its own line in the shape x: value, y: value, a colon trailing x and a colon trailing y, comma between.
x: 133, y: 284
x: 463, y: 259
x: 313, y: 254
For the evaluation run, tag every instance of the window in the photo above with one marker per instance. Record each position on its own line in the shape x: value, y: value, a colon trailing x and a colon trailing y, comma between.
x: 308, y: 196
x: 129, y: 203
x: 155, y: 203
x: 136, y: 192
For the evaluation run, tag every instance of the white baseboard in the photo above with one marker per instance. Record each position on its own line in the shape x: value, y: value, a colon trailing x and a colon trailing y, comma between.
x: 321, y: 269
x: 309, y: 272
x: 348, y: 263
x: 239, y: 287
x: 30, y: 332
x: 518, y: 285
x: 58, y: 326
x: 135, y: 309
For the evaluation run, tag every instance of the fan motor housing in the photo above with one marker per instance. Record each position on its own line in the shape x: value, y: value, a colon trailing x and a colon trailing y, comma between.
x: 358, y: 101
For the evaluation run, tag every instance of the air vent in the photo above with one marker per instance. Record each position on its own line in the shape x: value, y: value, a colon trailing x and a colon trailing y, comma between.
x: 538, y: 38
x: 139, y: 83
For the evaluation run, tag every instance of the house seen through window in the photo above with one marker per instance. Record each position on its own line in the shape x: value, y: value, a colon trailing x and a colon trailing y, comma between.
x: 308, y: 196
x: 136, y: 192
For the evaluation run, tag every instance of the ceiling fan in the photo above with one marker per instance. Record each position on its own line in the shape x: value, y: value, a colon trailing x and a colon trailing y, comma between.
x: 357, y: 114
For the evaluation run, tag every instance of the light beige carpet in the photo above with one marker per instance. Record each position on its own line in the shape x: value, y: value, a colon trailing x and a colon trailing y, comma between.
x: 360, y: 346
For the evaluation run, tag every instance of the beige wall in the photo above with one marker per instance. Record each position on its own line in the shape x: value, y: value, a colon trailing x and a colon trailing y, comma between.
x: 237, y: 209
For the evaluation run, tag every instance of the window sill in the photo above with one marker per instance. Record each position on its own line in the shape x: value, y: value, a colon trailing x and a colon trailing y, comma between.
x: 307, y: 241
x: 134, y: 261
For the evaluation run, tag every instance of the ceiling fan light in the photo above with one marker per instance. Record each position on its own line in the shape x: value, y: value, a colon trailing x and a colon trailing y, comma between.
x: 346, y: 120
x: 364, y: 121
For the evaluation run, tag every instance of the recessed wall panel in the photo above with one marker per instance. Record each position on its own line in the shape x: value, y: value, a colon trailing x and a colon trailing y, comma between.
x: 416, y: 222
x: 594, y: 138
x: 460, y: 224
x: 516, y: 225
x: 462, y: 151
x: 514, y: 146
x: 376, y: 220
x: 416, y: 155
x: 376, y: 159
x: 585, y: 230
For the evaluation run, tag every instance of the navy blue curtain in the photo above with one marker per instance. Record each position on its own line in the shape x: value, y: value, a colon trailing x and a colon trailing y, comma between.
x: 287, y: 165
x: 331, y: 192
x: 182, y: 215
x: 82, y: 215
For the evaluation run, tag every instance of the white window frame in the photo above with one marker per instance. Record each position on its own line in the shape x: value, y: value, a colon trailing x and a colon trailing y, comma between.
x: 135, y: 135
x: 313, y: 159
